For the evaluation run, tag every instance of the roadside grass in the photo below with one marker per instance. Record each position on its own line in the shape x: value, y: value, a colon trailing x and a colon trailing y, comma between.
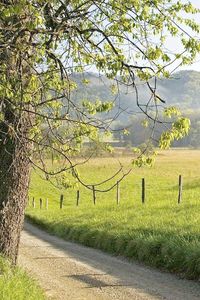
x: 160, y: 232
x: 15, y: 284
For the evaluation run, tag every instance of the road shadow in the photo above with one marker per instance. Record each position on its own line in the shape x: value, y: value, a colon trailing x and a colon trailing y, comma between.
x: 142, y: 279
x: 93, y: 282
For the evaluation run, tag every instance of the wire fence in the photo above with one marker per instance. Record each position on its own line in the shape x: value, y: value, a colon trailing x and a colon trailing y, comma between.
x: 143, y: 187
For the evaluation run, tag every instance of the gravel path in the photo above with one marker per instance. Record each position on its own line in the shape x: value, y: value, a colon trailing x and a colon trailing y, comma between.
x: 73, y: 272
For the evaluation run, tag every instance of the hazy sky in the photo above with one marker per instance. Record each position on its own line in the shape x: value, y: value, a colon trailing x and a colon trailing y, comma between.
x: 195, y: 66
x: 174, y: 45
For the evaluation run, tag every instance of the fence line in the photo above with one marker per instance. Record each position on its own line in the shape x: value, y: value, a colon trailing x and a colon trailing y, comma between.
x: 180, y: 189
x: 33, y: 202
x: 61, y: 201
x: 40, y: 203
x: 94, y: 195
x: 144, y: 195
x: 143, y: 190
x: 77, y: 197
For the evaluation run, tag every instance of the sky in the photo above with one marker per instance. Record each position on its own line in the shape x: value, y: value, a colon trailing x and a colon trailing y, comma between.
x: 173, y: 44
x: 196, y: 65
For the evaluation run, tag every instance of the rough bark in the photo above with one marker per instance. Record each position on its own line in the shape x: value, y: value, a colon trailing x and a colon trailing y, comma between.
x: 14, y: 180
x: 14, y: 145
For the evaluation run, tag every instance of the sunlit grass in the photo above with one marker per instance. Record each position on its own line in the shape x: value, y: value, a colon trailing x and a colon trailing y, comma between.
x: 159, y: 232
x: 16, y: 285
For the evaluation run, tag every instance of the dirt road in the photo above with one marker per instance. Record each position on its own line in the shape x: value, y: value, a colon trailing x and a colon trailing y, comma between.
x: 73, y: 272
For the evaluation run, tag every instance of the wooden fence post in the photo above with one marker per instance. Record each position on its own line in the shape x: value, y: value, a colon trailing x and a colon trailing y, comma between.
x: 47, y: 203
x: 118, y: 193
x: 61, y: 201
x: 94, y: 195
x: 40, y: 203
x: 77, y: 197
x: 180, y: 188
x: 143, y: 190
x: 33, y: 202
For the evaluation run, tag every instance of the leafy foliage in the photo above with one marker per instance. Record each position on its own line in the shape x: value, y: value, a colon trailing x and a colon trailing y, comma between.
x: 44, y: 43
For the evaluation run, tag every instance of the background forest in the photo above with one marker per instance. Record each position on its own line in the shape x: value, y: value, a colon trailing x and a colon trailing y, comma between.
x: 181, y: 90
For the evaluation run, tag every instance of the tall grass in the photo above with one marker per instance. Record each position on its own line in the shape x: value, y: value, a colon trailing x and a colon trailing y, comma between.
x: 160, y: 232
x: 16, y: 284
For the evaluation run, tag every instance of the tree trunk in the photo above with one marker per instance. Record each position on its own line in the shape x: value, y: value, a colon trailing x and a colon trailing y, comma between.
x: 14, y: 128
x: 14, y: 181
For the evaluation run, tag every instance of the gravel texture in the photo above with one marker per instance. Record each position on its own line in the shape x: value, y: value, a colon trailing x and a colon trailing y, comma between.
x: 67, y: 270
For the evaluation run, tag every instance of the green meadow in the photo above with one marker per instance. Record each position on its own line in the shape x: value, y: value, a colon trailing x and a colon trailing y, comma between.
x: 15, y: 284
x: 160, y: 232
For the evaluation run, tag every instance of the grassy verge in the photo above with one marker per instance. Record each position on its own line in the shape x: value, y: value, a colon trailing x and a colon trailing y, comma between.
x: 160, y: 232
x: 16, y: 284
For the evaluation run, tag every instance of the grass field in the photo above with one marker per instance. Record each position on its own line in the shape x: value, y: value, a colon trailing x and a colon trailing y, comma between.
x: 16, y: 285
x: 160, y: 232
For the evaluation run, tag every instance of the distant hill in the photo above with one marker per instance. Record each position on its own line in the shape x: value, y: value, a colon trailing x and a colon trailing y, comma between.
x: 183, y: 90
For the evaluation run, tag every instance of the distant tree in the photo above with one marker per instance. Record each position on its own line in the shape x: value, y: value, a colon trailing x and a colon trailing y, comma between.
x: 42, y: 43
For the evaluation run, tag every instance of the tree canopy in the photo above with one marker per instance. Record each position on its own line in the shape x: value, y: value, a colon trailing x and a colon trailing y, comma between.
x: 43, y: 43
